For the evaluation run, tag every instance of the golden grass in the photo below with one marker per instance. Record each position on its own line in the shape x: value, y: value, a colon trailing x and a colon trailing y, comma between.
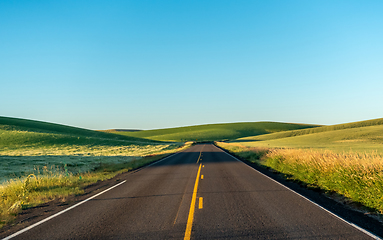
x: 357, y: 176
x: 87, y: 150
x: 20, y: 193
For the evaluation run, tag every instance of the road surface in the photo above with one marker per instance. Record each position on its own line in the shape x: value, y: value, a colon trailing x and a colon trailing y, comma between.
x: 200, y: 193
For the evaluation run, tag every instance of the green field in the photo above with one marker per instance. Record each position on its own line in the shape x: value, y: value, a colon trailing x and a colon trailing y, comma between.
x: 365, y: 136
x: 28, y: 146
x: 214, y: 132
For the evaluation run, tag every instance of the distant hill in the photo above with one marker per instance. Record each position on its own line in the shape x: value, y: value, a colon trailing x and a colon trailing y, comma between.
x: 8, y: 123
x: 364, y: 136
x: 16, y: 132
x: 214, y: 132
x: 120, y: 130
x: 293, y: 133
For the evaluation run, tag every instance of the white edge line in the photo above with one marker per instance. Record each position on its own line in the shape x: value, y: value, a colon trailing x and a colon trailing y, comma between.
x: 59, y: 213
x: 333, y: 214
x: 78, y: 204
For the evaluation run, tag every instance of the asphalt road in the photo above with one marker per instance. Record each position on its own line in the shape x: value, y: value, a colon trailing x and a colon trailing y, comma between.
x: 231, y: 201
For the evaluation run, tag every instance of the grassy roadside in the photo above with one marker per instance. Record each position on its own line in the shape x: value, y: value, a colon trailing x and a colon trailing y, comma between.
x: 357, y: 177
x: 55, y: 183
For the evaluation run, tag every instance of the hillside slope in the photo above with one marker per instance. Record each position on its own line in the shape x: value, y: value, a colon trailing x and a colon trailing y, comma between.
x: 366, y: 136
x: 32, y: 126
x: 27, y: 137
x: 28, y: 146
x: 213, y: 132
x: 293, y: 133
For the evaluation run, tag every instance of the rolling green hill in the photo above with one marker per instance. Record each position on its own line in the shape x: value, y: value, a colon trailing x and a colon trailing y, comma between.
x: 365, y: 136
x: 26, y: 145
x: 21, y: 135
x: 300, y: 132
x: 18, y: 124
x: 213, y: 132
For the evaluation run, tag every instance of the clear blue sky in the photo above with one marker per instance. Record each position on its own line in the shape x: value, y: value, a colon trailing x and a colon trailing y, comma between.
x: 155, y: 64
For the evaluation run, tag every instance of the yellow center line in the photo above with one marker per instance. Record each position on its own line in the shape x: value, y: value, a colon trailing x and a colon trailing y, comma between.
x: 200, y: 154
x: 200, y: 205
x: 199, y: 157
x: 201, y: 176
x: 192, y: 206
